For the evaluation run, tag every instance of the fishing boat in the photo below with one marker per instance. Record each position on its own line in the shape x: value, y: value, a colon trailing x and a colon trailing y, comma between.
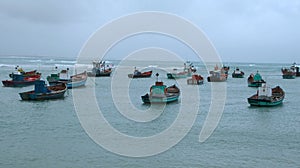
x: 20, y: 71
x: 218, y: 75
x: 101, y: 68
x: 77, y: 80
x: 74, y: 81
x: 62, y: 76
x: 267, y: 96
x: 139, y: 74
x: 255, y: 80
x: 195, y: 80
x: 288, y: 73
x: 187, y: 71
x: 160, y: 93
x: 296, y: 67
x: 237, y: 73
x: 43, y: 92
x: 18, y: 80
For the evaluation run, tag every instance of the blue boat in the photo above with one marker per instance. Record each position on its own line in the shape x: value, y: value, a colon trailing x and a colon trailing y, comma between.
x: 160, y: 93
x: 267, y: 97
x: 43, y: 92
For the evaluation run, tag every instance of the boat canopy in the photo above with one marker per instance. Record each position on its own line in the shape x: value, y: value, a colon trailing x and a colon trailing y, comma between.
x: 257, y: 77
x: 40, y: 87
x: 265, y: 91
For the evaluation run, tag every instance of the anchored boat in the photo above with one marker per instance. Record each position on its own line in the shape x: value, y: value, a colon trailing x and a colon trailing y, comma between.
x: 195, y: 80
x: 160, y: 93
x: 288, y: 73
x: 267, y: 96
x: 218, y: 75
x: 43, y: 92
x: 187, y: 71
x: 19, y: 80
x: 73, y: 81
x: 101, y: 68
x: 255, y: 80
x: 237, y: 73
x: 139, y: 74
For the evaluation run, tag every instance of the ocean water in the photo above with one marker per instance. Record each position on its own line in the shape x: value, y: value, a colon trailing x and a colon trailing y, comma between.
x: 49, y: 133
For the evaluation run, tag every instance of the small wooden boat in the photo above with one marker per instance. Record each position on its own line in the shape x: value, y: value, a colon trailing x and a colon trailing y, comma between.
x: 218, y: 75
x: 77, y: 80
x: 237, y: 73
x: 56, y: 78
x: 43, y: 92
x: 21, y: 81
x: 267, y: 97
x: 138, y: 74
x: 288, y: 73
x: 74, y: 81
x: 101, y: 69
x: 255, y: 80
x: 195, y: 80
x: 187, y: 72
x: 160, y: 93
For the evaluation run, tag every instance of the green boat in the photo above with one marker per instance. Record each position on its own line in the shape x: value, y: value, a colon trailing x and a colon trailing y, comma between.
x: 160, y: 93
x: 237, y: 73
x: 267, y: 97
x: 255, y: 80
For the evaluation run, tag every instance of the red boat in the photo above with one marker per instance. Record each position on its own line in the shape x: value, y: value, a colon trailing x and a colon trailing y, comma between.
x: 21, y: 81
x: 20, y: 71
x: 138, y: 74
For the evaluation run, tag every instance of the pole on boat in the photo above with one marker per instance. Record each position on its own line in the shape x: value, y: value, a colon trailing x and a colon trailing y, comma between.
x: 157, y: 74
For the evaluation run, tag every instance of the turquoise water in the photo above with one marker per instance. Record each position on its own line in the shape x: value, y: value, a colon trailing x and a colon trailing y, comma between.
x: 49, y: 134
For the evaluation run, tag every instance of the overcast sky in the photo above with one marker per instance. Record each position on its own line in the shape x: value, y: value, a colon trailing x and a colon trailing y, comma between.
x: 240, y: 30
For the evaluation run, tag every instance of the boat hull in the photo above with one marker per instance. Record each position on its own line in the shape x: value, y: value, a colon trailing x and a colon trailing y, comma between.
x: 237, y: 76
x: 9, y: 83
x: 255, y: 84
x: 100, y: 74
x: 76, y: 84
x: 264, y: 103
x: 212, y: 79
x: 288, y: 76
x: 194, y: 82
x: 164, y: 99
x: 141, y: 75
x: 176, y: 76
